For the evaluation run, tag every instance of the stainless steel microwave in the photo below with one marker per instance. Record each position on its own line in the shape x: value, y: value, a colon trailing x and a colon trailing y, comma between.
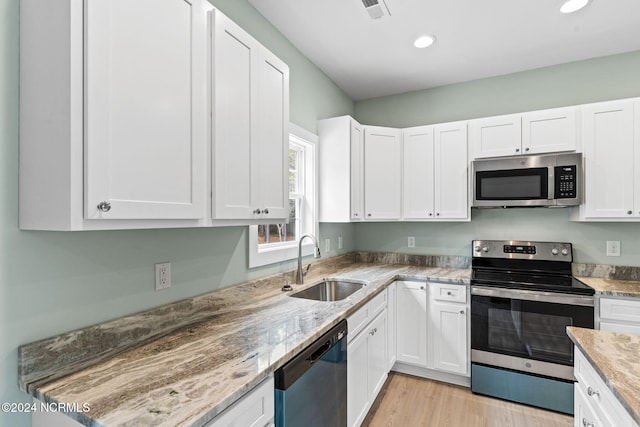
x: 528, y: 181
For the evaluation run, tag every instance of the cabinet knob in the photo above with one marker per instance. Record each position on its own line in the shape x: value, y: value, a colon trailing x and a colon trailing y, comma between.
x: 449, y: 293
x: 369, y: 214
x: 629, y: 212
x: 517, y: 150
x: 586, y: 423
x: 257, y: 211
x: 430, y: 214
x: 526, y: 149
x: 438, y: 214
x: 592, y: 391
x: 422, y: 288
x: 355, y: 214
x: 461, y: 311
x: 265, y: 211
x: 104, y: 206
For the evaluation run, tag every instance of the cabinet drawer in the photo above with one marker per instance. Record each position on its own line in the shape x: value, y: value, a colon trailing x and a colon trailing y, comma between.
x: 600, y: 397
x: 358, y: 320
x: 584, y: 414
x: 620, y: 309
x: 448, y: 292
x: 620, y: 327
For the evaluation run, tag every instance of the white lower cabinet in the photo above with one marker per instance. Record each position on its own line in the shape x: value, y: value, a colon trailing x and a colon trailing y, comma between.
x: 620, y: 315
x: 432, y: 331
x: 594, y: 403
x: 368, y: 363
x: 254, y: 409
x: 411, y: 323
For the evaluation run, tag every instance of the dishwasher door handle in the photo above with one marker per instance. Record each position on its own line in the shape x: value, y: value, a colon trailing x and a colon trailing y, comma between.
x: 320, y: 351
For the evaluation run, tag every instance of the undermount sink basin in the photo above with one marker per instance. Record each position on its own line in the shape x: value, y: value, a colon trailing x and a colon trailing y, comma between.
x: 329, y: 290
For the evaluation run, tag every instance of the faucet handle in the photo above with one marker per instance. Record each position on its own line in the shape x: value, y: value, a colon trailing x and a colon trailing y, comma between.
x: 306, y: 270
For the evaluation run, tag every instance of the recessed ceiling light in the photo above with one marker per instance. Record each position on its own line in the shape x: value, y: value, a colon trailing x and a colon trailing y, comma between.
x: 571, y: 6
x: 424, y: 41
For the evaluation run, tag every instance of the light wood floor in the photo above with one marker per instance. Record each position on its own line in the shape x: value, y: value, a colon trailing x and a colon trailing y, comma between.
x: 407, y: 401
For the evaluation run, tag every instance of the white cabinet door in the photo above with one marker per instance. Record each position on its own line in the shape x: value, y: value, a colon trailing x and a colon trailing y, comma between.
x: 636, y: 151
x: 250, y: 98
x: 382, y: 173
x: 496, y: 136
x: 272, y: 143
x: 340, y: 147
x: 449, y: 337
x: 418, y: 165
x: 254, y: 409
x: 358, y: 379
x: 608, y: 142
x: 451, y: 172
x: 391, y: 324
x: 378, y: 358
x: 357, y: 169
x: 549, y: 131
x: 411, y: 322
x: 145, y: 109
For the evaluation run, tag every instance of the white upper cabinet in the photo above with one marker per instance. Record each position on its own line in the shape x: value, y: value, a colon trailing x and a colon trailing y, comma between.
x: 113, y: 114
x: 534, y: 132
x: 435, y: 185
x: 549, y: 131
x: 250, y: 97
x: 496, y: 136
x: 382, y: 173
x: 610, y: 156
x: 419, y: 173
x: 341, y: 145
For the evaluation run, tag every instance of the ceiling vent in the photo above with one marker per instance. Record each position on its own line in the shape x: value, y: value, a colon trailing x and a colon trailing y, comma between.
x: 376, y: 8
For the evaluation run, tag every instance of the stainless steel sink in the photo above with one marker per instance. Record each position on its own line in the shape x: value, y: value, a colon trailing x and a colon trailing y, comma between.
x: 329, y: 290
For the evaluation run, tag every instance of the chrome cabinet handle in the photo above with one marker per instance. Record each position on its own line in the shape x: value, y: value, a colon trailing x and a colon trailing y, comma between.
x: 592, y: 391
x: 104, y: 206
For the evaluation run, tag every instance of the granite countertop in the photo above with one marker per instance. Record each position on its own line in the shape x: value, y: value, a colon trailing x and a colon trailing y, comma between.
x: 614, y: 357
x: 613, y: 287
x: 224, y: 344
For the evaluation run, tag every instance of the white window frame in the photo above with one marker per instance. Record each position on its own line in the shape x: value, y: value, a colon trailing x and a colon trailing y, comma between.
x: 284, y: 251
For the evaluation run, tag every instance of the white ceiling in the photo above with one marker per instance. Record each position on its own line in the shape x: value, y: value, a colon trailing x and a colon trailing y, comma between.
x: 475, y: 38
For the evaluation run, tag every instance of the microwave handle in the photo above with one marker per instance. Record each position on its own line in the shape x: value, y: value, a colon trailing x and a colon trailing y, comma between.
x: 551, y: 183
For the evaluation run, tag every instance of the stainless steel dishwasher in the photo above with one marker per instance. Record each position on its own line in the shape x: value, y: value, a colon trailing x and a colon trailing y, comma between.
x: 311, y: 389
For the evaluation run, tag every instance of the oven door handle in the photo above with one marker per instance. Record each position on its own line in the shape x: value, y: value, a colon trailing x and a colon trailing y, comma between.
x: 527, y: 295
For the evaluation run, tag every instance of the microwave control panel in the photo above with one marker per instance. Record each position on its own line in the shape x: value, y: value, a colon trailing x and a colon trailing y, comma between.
x: 565, y: 182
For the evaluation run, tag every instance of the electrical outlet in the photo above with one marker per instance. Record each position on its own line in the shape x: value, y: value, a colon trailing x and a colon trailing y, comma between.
x: 163, y: 276
x: 411, y: 241
x: 339, y: 242
x: 327, y: 245
x: 613, y: 248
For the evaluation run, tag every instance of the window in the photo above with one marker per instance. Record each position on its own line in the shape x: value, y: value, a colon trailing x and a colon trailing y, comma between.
x: 270, y: 243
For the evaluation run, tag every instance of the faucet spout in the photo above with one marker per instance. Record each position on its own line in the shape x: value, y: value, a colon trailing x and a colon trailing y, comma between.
x: 300, y: 274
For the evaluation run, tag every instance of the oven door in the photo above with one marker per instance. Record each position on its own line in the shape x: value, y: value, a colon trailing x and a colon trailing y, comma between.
x: 513, y: 187
x: 526, y: 330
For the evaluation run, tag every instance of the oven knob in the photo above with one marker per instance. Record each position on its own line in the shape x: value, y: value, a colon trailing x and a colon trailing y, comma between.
x: 477, y: 249
x: 485, y: 249
x: 554, y: 251
x: 564, y: 252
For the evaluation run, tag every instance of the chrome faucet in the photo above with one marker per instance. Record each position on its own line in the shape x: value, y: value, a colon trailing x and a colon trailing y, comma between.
x: 300, y: 274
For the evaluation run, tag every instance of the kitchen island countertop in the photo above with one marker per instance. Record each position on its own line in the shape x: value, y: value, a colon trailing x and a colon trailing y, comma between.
x: 615, y: 357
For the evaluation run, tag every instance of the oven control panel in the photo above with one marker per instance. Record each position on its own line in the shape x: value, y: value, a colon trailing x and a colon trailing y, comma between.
x: 512, y: 249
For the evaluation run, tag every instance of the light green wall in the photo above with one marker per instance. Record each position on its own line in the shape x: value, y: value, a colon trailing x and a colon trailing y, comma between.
x: 53, y: 282
x: 575, y: 83
x: 593, y: 80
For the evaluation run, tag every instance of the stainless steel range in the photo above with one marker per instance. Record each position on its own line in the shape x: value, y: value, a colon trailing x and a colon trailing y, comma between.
x: 523, y: 297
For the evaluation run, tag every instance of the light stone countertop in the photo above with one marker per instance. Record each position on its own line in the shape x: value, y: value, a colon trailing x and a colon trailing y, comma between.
x: 235, y: 339
x: 613, y: 287
x: 616, y: 358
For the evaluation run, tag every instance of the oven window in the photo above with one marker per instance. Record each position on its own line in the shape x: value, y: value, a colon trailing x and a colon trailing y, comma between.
x: 538, y: 336
x: 530, y: 329
x: 512, y: 184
